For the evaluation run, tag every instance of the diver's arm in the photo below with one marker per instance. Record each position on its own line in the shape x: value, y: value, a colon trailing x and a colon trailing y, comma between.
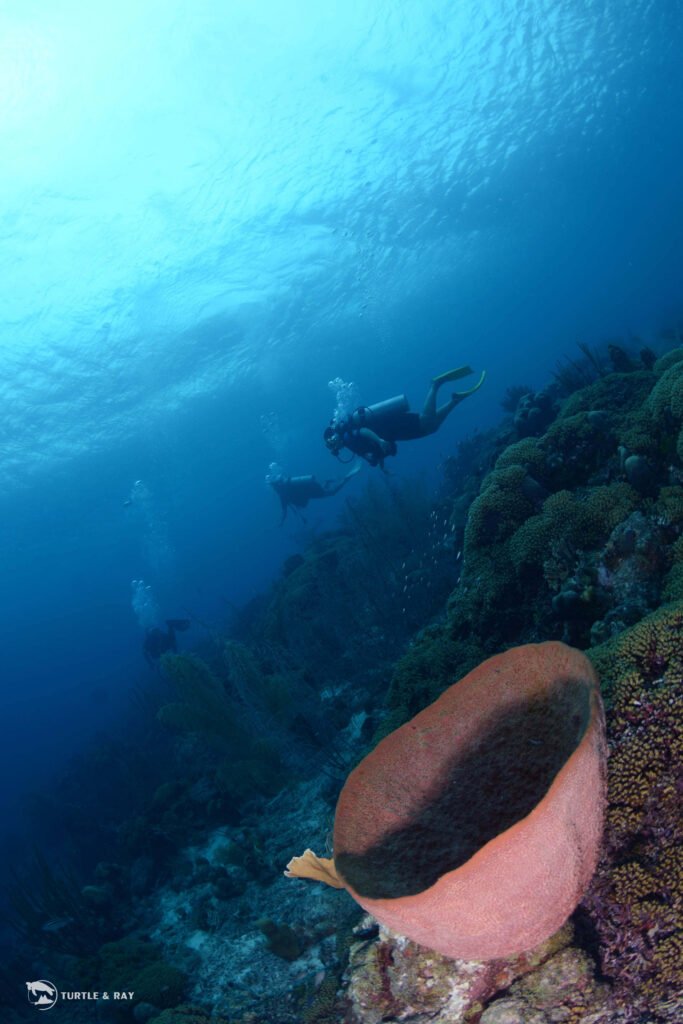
x: 375, y: 456
x: 371, y: 436
x: 331, y: 487
x: 380, y: 447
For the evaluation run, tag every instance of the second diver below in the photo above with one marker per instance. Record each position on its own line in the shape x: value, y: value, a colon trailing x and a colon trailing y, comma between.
x: 162, y: 641
x: 372, y: 431
x: 297, y: 491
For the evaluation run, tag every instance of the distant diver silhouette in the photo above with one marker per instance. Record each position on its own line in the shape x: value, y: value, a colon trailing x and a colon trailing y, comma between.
x: 372, y: 431
x: 160, y: 641
x: 297, y: 491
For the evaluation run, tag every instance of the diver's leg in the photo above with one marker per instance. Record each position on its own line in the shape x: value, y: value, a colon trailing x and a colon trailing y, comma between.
x: 443, y: 412
x: 429, y: 407
x: 331, y: 487
x: 431, y: 418
x: 316, y: 490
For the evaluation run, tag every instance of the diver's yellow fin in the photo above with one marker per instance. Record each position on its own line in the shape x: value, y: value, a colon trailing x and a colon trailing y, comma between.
x: 461, y: 371
x: 470, y: 391
x: 320, y: 869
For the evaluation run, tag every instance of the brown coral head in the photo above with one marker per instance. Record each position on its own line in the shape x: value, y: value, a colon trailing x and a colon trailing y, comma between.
x: 475, y: 828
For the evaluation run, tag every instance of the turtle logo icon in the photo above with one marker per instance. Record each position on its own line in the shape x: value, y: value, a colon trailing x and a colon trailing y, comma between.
x: 42, y: 994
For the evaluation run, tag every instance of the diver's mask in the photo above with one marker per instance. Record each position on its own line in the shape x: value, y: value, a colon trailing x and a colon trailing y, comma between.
x: 333, y: 440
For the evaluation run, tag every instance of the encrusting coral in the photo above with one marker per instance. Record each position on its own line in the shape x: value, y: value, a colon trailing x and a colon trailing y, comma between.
x: 394, y: 979
x: 203, y: 706
x: 186, y: 1014
x: 138, y: 966
x: 207, y: 710
x: 636, y: 897
x: 532, y: 560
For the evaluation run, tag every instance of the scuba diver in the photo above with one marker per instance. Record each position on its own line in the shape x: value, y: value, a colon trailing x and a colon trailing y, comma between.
x: 297, y: 491
x: 159, y: 641
x: 372, y: 431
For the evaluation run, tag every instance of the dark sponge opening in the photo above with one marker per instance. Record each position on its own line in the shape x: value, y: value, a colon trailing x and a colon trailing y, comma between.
x: 497, y: 781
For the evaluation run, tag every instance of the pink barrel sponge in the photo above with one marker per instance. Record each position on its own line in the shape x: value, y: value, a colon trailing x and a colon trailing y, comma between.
x: 475, y: 828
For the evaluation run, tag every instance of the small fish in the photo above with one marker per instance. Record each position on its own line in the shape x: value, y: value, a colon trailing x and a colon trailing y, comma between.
x: 55, y: 924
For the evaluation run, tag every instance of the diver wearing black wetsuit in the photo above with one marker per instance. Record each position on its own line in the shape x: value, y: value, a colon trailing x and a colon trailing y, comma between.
x: 161, y: 641
x: 297, y: 491
x: 372, y: 431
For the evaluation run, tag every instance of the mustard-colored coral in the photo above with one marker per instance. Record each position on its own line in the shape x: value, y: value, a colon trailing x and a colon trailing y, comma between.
x: 667, y: 958
x: 324, y: 1008
x: 631, y: 881
x: 652, y: 646
x: 634, y: 770
x: 636, y: 897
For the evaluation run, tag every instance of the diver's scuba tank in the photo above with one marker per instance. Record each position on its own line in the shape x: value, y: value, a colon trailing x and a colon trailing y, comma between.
x: 372, y: 415
x: 298, y: 480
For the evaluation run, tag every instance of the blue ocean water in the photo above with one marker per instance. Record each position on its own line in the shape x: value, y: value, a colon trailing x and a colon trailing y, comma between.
x: 209, y: 212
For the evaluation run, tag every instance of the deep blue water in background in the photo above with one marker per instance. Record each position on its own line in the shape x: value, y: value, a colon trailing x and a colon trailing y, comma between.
x: 210, y: 211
